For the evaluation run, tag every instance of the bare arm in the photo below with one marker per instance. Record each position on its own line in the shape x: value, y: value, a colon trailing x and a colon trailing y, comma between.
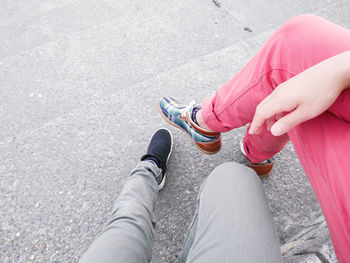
x: 304, y: 96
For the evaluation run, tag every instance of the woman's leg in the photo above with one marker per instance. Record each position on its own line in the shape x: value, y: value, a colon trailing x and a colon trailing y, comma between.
x: 322, y: 145
x: 233, y: 222
x: 299, y: 44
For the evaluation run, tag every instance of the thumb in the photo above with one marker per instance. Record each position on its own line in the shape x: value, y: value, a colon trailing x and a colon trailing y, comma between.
x: 288, y: 122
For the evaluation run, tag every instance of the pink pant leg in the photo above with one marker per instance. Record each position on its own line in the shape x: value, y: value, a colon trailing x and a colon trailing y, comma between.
x: 322, y: 145
x: 299, y: 44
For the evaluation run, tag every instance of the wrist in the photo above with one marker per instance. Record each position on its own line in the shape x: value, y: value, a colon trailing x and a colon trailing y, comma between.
x: 346, y: 71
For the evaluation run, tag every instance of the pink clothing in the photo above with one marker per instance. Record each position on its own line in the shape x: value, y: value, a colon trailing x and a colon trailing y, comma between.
x: 323, y: 143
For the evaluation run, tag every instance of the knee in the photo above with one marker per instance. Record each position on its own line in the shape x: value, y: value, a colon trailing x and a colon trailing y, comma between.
x: 231, y: 174
x: 299, y: 27
x: 299, y: 23
x: 297, y: 36
x: 301, y: 20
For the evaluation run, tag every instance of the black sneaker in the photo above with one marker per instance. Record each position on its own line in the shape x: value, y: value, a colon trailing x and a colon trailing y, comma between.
x: 159, y: 150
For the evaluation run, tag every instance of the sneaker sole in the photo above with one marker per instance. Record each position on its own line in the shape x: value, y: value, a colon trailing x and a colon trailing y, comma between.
x: 177, y: 126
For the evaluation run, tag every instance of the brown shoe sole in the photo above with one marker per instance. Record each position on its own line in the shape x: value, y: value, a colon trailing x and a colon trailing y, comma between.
x: 262, y: 170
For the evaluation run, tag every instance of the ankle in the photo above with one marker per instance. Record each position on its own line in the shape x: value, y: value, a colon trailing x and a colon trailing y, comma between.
x: 151, y: 158
x: 200, y: 120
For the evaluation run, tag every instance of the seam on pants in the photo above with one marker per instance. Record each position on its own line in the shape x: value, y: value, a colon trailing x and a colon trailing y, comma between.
x: 253, y: 85
x: 194, y: 219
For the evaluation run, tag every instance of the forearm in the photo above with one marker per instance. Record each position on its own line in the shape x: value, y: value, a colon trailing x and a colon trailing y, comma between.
x: 347, y: 69
x: 338, y: 67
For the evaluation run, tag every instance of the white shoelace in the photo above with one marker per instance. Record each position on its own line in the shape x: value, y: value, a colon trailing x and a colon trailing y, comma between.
x: 188, y: 108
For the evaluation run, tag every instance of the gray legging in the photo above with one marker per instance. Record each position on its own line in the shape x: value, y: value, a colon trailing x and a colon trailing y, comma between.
x: 233, y: 222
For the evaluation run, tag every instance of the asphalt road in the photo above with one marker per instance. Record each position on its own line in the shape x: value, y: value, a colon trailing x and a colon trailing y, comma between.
x: 79, y: 84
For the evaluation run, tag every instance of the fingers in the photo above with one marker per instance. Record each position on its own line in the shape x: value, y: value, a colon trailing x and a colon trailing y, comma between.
x: 289, y: 121
x: 276, y: 104
x: 279, y: 116
x: 264, y: 111
x: 270, y: 121
x: 259, y: 118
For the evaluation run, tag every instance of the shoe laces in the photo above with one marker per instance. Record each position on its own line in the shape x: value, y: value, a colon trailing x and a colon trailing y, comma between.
x: 188, y: 108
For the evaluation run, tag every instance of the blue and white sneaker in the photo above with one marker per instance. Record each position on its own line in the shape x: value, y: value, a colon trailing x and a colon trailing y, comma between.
x: 179, y: 115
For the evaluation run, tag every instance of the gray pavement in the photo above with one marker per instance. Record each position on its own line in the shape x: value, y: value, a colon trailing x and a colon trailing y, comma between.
x: 79, y: 83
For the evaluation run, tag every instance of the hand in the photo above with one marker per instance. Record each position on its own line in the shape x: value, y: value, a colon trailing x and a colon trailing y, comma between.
x: 302, y: 97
